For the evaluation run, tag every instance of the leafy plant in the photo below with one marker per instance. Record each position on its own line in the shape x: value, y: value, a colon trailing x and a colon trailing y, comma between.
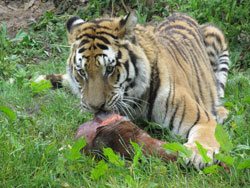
x: 39, y: 87
x: 113, y: 158
x: 226, y: 147
x: 75, y: 153
x: 174, y: 147
x: 99, y: 170
x: 10, y: 113
x: 203, y: 153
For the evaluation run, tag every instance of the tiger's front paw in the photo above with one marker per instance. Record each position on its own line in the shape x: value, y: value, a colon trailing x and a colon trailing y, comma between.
x: 197, y: 160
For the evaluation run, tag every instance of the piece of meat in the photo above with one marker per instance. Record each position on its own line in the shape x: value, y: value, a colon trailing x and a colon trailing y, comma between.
x: 115, y: 131
x: 88, y: 129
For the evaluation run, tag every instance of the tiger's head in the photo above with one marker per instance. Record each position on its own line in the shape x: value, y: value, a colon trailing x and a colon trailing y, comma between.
x: 107, y: 68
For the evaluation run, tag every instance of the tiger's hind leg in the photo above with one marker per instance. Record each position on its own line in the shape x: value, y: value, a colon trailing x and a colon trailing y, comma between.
x: 56, y: 80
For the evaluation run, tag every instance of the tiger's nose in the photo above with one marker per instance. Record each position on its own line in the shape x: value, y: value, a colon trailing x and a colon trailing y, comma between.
x: 98, y: 107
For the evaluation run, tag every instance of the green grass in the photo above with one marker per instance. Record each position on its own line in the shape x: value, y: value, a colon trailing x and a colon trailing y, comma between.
x: 37, y: 129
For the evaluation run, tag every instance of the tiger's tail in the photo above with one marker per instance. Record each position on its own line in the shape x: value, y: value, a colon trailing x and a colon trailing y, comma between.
x: 217, y: 50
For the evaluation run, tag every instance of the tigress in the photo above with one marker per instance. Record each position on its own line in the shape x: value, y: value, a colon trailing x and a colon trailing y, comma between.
x: 173, y: 74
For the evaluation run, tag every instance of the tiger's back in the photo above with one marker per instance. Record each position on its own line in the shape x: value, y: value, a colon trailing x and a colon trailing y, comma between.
x: 190, y: 67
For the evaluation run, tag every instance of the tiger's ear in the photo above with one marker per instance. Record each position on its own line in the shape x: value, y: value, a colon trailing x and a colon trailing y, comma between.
x: 71, y: 24
x: 127, y: 25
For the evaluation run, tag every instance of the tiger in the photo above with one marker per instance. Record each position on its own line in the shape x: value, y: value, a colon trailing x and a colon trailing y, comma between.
x: 173, y: 74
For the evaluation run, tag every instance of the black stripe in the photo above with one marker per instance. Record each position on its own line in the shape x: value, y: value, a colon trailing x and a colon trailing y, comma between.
x: 208, y: 119
x: 171, y: 122
x: 173, y: 92
x: 212, y: 102
x: 133, y: 59
x: 196, y: 121
x: 222, y: 86
x: 154, y: 86
x: 74, y: 59
x: 105, y: 40
x: 102, y: 38
x: 182, y: 116
x: 85, y: 35
x: 223, y: 70
x: 166, y: 106
x: 103, y: 27
x: 119, y: 56
x: 105, y: 33
x: 224, y: 55
x: 82, y: 50
x: 196, y: 98
x: 83, y: 42
x: 126, y: 65
x: 215, y: 36
x: 224, y: 63
x: 118, y: 77
x: 71, y: 21
x: 101, y: 46
x: 198, y: 79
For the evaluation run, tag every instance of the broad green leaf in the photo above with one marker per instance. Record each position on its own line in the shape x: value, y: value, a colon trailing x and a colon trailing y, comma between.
x: 244, y: 164
x: 113, y: 158
x: 203, y: 153
x: 183, y: 150
x: 223, y: 138
x: 138, y: 153
x: 40, y: 86
x: 99, y: 170
x: 74, y: 153
x: 225, y: 158
x: 211, y: 169
x: 10, y: 113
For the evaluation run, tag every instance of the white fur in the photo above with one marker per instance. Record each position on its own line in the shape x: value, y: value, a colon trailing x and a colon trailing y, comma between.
x: 79, y: 60
x: 159, y: 108
x: 78, y: 21
x: 40, y: 78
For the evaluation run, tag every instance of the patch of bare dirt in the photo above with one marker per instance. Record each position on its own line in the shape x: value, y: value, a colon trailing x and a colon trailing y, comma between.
x: 18, y: 14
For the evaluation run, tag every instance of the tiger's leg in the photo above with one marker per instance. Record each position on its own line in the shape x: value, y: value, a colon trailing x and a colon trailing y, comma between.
x: 196, y: 125
x: 56, y: 80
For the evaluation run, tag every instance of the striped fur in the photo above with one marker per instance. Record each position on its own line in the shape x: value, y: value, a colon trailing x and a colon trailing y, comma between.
x: 172, y: 74
x: 217, y: 50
